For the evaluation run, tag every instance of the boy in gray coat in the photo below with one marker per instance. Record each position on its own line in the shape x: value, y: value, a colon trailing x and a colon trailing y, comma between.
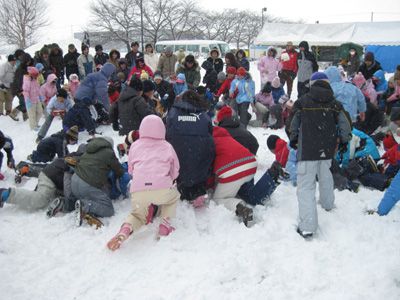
x: 318, y: 126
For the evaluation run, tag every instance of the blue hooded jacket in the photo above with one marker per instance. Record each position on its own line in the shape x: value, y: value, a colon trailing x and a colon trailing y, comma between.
x: 95, y: 86
x: 349, y: 95
x: 382, y: 86
x: 245, y: 88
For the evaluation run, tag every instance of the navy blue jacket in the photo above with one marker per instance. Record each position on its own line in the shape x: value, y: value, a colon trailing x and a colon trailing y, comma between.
x: 95, y: 86
x: 55, y: 144
x: 80, y: 115
x: 189, y: 130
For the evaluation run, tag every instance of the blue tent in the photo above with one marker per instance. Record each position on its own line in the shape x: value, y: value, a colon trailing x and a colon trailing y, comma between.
x: 388, y: 56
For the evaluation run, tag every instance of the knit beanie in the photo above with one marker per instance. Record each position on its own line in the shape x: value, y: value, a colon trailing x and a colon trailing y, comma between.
x: 131, y: 137
x: 73, y: 133
x: 271, y: 141
x: 11, y: 57
x: 318, y: 76
x: 148, y: 86
x: 221, y: 76
x: 241, y: 72
x: 224, y: 112
x: 136, y: 84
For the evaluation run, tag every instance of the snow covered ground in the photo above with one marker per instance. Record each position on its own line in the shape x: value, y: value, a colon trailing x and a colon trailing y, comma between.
x: 210, y: 255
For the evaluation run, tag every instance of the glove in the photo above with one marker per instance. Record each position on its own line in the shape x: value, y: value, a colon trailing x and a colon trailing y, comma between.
x: 342, y: 148
x: 293, y: 144
x: 28, y: 104
x: 11, y: 163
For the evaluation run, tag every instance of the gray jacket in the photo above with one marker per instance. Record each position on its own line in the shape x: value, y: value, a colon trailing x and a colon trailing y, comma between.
x: 7, y: 72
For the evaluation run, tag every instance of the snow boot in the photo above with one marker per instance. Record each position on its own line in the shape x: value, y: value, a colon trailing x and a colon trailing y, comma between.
x: 14, y: 115
x: 245, y: 214
x: 4, y: 194
x: 25, y: 116
x: 55, y: 207
x: 81, y: 216
x: 307, y: 235
x: 165, y: 228
x: 199, y: 201
x: 353, y: 186
x: 123, y: 234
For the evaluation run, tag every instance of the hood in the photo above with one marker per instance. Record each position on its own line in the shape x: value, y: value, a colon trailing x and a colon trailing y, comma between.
x: 305, y: 45
x: 128, y: 94
x: 214, y: 50
x: 51, y: 78
x: 232, y: 122
x: 115, y: 51
x: 333, y: 74
x: 220, y: 132
x: 97, y: 144
x: 321, y: 92
x: 107, y: 70
x: 380, y: 75
x: 152, y: 127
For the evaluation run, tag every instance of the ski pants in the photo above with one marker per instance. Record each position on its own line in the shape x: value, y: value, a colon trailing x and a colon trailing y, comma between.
x: 94, y: 200
x: 35, y: 112
x: 45, y: 192
x: 225, y: 193
x: 391, y: 197
x: 307, y: 172
x: 165, y: 199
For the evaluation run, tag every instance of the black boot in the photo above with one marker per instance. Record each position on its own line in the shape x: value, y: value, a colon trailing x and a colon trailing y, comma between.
x: 244, y: 213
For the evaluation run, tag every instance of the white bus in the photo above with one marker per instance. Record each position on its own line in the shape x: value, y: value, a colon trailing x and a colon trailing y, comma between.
x: 195, y: 47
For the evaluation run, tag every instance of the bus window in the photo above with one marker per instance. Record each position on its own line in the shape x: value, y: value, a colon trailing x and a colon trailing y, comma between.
x: 179, y: 47
x: 160, y: 48
x: 205, y: 50
x: 193, y: 48
x: 224, y: 49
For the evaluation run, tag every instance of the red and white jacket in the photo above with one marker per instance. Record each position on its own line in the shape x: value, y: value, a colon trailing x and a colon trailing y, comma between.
x: 291, y: 64
x: 232, y: 160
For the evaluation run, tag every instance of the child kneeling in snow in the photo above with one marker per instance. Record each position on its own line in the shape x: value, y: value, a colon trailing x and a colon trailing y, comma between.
x: 154, y: 180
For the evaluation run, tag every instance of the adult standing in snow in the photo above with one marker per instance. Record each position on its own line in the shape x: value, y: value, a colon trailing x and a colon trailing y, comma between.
x: 319, y: 124
x: 369, y: 66
x: 350, y: 96
x: 42, y: 57
x: 7, y: 73
x: 307, y: 65
x: 100, y: 58
x: 132, y: 55
x: 242, y: 60
x: 86, y: 64
x: 151, y: 58
x: 269, y: 66
x: 57, y: 63
x: 71, y: 61
x: 215, y: 60
x: 353, y: 62
x: 191, y: 70
x: 166, y: 63
x: 95, y: 86
x: 289, y: 67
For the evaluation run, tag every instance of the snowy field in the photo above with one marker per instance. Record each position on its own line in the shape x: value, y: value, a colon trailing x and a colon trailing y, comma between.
x: 210, y: 255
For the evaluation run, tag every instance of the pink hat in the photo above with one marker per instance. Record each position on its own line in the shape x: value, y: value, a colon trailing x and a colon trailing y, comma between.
x: 359, y: 80
x: 32, y: 71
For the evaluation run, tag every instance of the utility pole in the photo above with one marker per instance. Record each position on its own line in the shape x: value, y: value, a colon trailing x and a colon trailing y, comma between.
x: 141, y: 24
x: 264, y: 9
x: 372, y: 16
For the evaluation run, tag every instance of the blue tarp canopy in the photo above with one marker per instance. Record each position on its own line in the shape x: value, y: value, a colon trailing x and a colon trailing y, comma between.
x: 387, y: 56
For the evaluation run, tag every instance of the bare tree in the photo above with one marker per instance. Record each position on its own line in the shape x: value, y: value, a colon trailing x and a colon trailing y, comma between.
x: 20, y: 21
x: 156, y: 13
x: 118, y: 17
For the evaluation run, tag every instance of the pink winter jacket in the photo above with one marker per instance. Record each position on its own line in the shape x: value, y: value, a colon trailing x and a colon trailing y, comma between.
x: 269, y: 68
x: 369, y: 91
x: 152, y: 161
x: 49, y: 89
x: 31, y: 89
x: 396, y: 94
x: 265, y: 99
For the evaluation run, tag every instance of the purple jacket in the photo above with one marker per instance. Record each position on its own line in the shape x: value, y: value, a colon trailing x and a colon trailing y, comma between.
x: 152, y: 161
x: 265, y: 99
x: 269, y: 68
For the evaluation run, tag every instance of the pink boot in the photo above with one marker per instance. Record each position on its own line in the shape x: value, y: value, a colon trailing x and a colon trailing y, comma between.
x: 199, y: 201
x: 165, y: 228
x: 124, y: 232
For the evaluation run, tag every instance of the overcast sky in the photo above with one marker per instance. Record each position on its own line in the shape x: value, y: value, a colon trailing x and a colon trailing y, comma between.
x: 69, y: 16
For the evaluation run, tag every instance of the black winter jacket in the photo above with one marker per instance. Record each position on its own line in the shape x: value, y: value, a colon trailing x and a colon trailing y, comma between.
x: 101, y: 59
x: 71, y: 63
x: 239, y: 132
x: 55, y: 144
x: 368, y: 72
x: 55, y: 172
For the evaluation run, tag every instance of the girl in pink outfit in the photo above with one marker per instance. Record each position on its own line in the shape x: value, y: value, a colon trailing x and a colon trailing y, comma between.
x: 154, y: 166
x: 269, y: 66
x: 31, y: 92
x: 366, y: 87
x: 49, y: 89
x: 73, y: 84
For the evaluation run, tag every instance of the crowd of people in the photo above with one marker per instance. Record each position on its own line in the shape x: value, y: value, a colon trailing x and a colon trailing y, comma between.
x: 187, y: 137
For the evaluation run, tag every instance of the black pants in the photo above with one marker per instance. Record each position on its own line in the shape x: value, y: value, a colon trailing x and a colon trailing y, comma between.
x: 243, y: 113
x: 21, y: 106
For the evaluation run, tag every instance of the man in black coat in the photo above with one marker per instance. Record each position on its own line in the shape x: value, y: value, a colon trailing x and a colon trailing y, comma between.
x: 132, y: 55
x: 55, y: 144
x: 71, y: 61
x: 100, y: 58
x: 128, y: 112
x: 236, y: 129
x: 369, y: 66
x: 319, y: 124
